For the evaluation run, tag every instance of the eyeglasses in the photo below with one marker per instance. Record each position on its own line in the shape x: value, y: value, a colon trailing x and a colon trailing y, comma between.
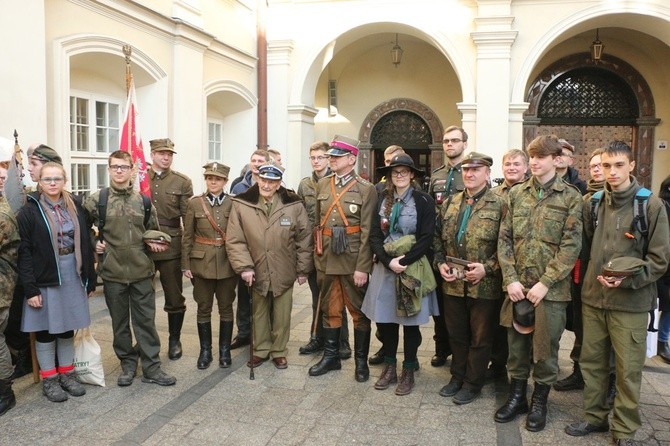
x: 399, y: 173
x: 319, y: 158
x: 49, y: 180
x: 121, y: 167
x: 452, y: 140
x: 595, y: 166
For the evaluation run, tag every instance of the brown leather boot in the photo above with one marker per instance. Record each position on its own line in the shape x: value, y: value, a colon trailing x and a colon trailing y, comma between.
x: 389, y: 376
x: 406, y: 383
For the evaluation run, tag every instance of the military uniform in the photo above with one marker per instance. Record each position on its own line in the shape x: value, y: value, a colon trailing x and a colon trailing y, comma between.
x: 617, y: 317
x: 540, y: 240
x: 445, y: 181
x: 204, y: 255
x: 9, y: 245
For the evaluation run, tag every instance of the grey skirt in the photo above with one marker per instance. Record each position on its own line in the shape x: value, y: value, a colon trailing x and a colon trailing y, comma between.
x: 64, y: 307
x: 379, y: 304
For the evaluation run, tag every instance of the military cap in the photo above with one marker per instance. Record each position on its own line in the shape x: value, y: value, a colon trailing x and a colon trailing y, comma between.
x: 342, y: 145
x: 523, y: 316
x: 403, y: 160
x: 566, y: 145
x: 622, y: 267
x: 156, y: 236
x: 271, y: 171
x: 217, y: 169
x: 162, y: 144
x: 45, y: 154
x: 476, y: 159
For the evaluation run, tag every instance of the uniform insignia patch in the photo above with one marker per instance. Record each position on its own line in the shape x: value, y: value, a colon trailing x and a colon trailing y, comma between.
x: 353, y: 208
x: 285, y: 221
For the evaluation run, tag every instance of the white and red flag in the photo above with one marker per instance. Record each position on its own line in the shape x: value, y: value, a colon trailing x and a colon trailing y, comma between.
x: 131, y: 141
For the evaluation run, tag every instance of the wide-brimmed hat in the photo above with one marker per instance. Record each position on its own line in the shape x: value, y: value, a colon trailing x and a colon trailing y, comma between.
x: 217, y: 169
x: 343, y: 145
x: 523, y: 316
x: 403, y: 160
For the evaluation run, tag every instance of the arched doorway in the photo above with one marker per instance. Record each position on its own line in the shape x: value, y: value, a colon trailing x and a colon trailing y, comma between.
x: 407, y: 123
x: 591, y: 104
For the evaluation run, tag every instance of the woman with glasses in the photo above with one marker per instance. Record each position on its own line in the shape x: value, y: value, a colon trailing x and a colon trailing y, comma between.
x: 57, y: 273
x: 402, y: 285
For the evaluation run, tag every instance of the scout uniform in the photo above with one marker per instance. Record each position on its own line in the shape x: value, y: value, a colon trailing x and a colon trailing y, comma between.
x: 170, y: 193
x: 9, y: 246
x: 204, y: 254
x: 273, y: 240
x: 469, y: 230
x: 346, y: 207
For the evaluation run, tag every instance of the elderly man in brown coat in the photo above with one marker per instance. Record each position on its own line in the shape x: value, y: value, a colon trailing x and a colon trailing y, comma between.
x: 269, y: 243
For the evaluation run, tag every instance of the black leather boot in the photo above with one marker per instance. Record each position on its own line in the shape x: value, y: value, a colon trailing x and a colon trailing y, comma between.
x: 24, y: 363
x: 7, y: 398
x: 315, y: 345
x: 663, y: 351
x: 175, y: 322
x: 573, y: 382
x: 331, y: 353
x: 537, y: 416
x: 361, y: 350
x: 205, y: 335
x: 516, y: 404
x: 225, y: 336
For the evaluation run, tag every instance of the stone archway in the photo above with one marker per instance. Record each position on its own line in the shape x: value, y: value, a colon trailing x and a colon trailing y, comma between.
x: 366, y: 164
x: 641, y: 130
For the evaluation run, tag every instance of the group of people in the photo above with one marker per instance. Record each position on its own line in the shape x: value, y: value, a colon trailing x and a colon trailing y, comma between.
x: 496, y: 268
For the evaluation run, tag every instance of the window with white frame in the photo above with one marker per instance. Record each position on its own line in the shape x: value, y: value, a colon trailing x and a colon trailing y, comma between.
x: 214, y: 138
x: 95, y: 122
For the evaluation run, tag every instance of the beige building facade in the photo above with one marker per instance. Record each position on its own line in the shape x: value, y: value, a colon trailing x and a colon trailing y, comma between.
x: 505, y: 70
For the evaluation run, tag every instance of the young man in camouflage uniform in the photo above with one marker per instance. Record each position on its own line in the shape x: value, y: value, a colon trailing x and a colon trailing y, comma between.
x: 127, y: 273
x: 346, y: 204
x: 446, y: 181
x: 307, y: 191
x: 615, y: 307
x: 170, y: 193
x: 540, y: 239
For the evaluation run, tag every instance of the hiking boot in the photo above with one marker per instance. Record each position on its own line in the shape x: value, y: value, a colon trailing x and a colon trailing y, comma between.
x: 406, y: 382
x: 69, y: 383
x: 389, y: 376
x: 53, y: 391
x: 516, y: 404
x: 159, y: 377
x: 126, y: 377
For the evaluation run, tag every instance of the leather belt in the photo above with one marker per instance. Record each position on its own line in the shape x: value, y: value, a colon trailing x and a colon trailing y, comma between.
x: 350, y: 230
x: 218, y: 242
x: 170, y: 222
x: 65, y: 251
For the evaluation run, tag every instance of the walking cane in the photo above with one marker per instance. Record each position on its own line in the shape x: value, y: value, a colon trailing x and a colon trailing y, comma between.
x: 251, y: 341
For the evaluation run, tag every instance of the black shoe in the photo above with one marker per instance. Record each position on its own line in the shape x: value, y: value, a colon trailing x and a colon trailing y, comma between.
x: 516, y: 404
x: 175, y: 322
x: 126, y: 377
x: 377, y: 358
x: 452, y: 388
x: 24, y: 364
x: 584, y: 428
x: 573, y: 382
x: 239, y: 342
x: 439, y: 359
x: 465, y: 396
x: 160, y: 377
x: 345, y: 349
x: 315, y: 345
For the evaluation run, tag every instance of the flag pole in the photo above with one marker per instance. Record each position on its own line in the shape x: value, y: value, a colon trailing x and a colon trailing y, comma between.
x: 127, y: 51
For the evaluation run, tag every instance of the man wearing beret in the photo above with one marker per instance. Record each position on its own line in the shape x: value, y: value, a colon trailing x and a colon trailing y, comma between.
x: 445, y: 181
x: 170, y: 193
x: 205, y: 262
x: 468, y: 229
x: 127, y: 272
x: 619, y: 291
x: 269, y: 243
x: 539, y: 242
x: 346, y: 204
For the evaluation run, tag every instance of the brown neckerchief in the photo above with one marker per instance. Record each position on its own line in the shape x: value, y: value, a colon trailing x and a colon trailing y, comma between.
x: 336, y: 201
x: 211, y: 220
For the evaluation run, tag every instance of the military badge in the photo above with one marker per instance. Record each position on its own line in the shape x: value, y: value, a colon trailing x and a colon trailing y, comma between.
x: 353, y: 208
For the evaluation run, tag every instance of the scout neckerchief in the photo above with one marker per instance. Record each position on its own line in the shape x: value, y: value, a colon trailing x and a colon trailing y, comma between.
x: 336, y: 200
x: 211, y: 220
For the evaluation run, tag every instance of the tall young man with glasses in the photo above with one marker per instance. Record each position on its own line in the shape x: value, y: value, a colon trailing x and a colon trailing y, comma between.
x: 319, y: 158
x: 170, y: 194
x: 564, y: 167
x: 446, y: 181
x: 127, y: 272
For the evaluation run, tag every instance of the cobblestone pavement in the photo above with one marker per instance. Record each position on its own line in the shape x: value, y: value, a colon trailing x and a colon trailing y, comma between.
x: 287, y: 407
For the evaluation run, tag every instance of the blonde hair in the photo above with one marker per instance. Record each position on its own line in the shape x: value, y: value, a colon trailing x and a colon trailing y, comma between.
x: 67, y: 196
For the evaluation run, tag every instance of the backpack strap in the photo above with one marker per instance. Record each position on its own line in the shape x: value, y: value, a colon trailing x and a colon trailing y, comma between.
x: 146, y: 201
x: 595, y: 204
x: 640, y: 214
x: 102, y: 211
